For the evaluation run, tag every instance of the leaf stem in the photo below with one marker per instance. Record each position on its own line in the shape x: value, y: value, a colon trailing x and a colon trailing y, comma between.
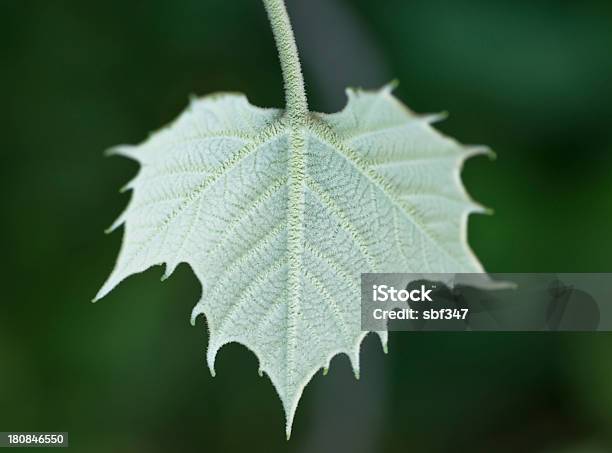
x: 295, y: 94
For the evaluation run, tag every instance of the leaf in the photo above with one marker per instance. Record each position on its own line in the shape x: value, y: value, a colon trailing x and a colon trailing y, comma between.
x: 279, y: 217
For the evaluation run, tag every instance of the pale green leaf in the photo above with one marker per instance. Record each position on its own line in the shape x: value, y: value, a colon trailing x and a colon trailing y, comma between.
x: 278, y: 218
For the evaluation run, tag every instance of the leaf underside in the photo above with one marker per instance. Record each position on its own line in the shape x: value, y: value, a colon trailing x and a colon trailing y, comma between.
x: 279, y: 219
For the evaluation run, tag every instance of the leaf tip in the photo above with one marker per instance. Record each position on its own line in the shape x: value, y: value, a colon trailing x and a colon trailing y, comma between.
x: 170, y: 267
x: 211, y: 356
x: 391, y: 86
x: 436, y: 117
x: 480, y: 150
x: 290, y: 407
x: 478, y: 208
x: 197, y: 311
x: 128, y: 186
x: 112, y: 228
x: 99, y: 295
x: 122, y: 150
x: 113, y: 151
x: 117, y: 223
x: 211, y: 368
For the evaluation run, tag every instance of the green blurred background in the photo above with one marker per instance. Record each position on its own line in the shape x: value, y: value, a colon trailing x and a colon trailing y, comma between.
x: 531, y: 79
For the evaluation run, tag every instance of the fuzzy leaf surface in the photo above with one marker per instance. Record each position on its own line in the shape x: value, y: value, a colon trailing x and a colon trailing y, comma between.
x: 279, y: 218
